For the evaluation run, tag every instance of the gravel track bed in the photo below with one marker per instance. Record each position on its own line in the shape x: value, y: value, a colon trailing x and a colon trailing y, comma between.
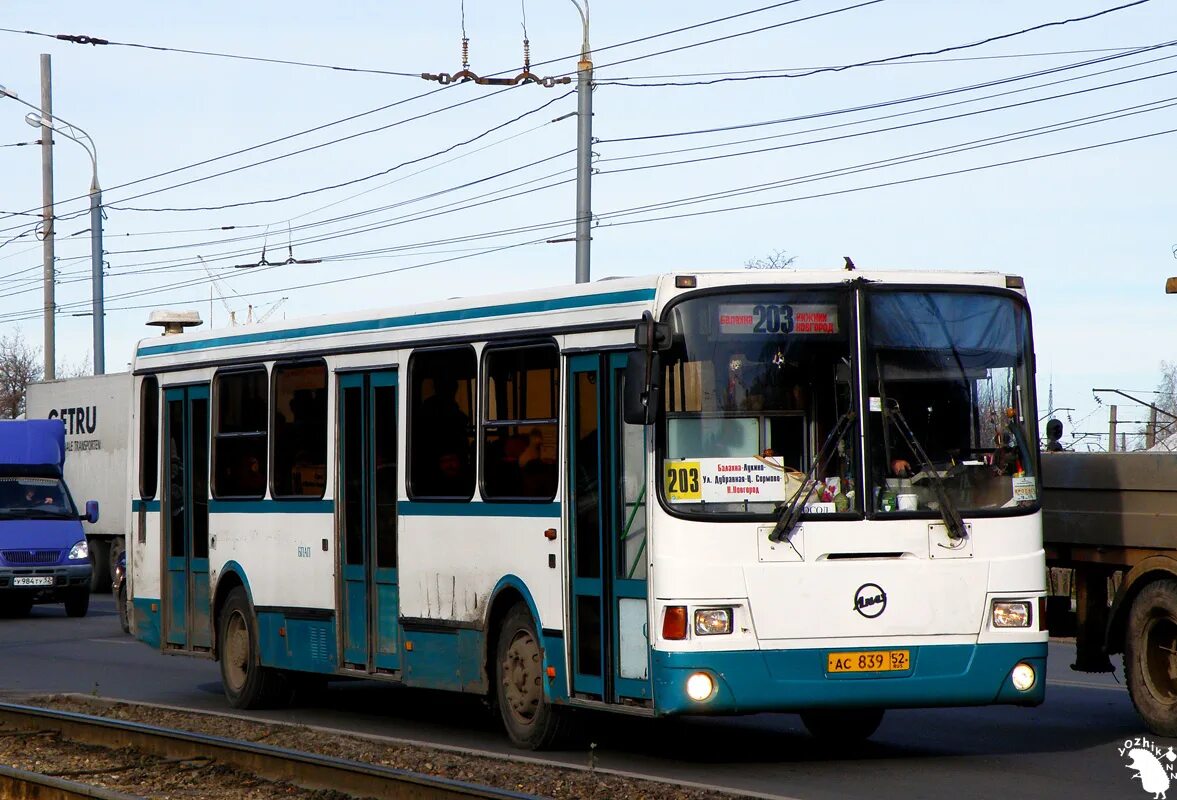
x: 136, y: 773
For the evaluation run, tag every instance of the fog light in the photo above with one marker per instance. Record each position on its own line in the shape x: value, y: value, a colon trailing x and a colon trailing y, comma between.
x: 700, y: 687
x: 1011, y: 614
x: 1023, y: 677
x: 711, y: 621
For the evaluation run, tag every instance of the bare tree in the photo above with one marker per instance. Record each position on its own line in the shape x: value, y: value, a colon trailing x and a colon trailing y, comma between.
x: 778, y: 259
x: 20, y: 365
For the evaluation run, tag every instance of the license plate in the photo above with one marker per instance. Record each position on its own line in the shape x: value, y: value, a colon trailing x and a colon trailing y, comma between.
x: 35, y: 580
x: 869, y: 661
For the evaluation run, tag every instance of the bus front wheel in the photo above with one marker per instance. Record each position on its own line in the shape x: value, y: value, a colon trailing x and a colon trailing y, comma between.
x: 531, y: 721
x: 1150, y: 656
x: 845, y: 725
x: 246, y: 682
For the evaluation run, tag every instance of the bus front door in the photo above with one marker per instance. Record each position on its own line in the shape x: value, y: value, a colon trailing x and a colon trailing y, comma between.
x: 607, y: 502
x: 187, y: 618
x: 366, y: 512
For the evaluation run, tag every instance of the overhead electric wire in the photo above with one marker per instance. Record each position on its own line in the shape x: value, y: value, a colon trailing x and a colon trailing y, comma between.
x: 94, y: 40
x: 354, y: 181
x: 421, y: 95
x: 898, y: 182
x: 871, y: 62
x: 889, y: 129
x: 366, y: 212
x: 887, y: 103
x: 923, y: 110
x: 909, y: 158
x: 917, y: 62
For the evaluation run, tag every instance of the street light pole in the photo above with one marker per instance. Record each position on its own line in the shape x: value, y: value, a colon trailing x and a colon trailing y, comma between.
x: 584, y: 149
x: 44, y: 120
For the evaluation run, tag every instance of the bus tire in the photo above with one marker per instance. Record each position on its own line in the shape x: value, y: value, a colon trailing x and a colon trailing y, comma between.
x: 246, y: 682
x: 1149, y: 661
x: 99, y: 565
x: 531, y: 721
x: 77, y: 602
x: 843, y: 725
x: 124, y: 611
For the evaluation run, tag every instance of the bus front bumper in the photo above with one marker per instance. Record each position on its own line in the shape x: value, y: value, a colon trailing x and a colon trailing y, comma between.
x: 751, y: 681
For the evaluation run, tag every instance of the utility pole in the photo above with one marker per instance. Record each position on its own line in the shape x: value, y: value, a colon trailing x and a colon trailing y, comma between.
x: 97, y: 305
x: 1111, y: 429
x: 584, y: 152
x: 47, y: 212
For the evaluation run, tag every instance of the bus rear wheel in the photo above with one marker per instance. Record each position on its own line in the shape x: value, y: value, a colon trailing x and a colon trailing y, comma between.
x: 844, y: 725
x: 246, y: 682
x: 1150, y: 656
x: 531, y: 721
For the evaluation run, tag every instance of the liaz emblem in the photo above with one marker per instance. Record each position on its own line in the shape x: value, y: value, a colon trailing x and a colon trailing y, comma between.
x: 870, y: 600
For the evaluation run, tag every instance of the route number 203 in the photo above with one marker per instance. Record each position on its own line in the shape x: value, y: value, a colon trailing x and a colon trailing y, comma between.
x: 771, y: 318
x: 682, y: 481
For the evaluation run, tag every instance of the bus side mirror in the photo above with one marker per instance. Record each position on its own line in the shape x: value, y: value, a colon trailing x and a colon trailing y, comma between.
x: 642, y: 400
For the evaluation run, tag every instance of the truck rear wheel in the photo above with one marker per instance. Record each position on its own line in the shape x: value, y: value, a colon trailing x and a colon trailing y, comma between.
x: 1150, y: 656
x: 99, y: 565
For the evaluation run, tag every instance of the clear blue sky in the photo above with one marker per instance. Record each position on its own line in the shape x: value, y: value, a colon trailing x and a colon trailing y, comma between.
x: 1092, y: 231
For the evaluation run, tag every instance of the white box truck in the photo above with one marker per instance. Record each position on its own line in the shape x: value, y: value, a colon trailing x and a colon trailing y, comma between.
x: 96, y: 412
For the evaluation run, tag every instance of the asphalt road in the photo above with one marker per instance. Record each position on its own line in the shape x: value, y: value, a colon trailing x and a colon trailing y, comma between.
x: 1065, y: 748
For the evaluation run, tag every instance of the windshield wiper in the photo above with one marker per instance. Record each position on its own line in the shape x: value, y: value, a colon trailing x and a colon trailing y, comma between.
x: 791, y: 513
x: 948, y: 511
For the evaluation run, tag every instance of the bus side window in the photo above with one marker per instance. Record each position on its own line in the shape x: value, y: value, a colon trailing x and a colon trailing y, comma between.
x: 441, y: 434
x: 300, y: 430
x: 239, y: 435
x: 519, y: 429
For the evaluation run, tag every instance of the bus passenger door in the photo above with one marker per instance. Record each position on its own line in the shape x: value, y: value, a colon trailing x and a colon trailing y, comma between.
x: 607, y: 539
x: 188, y: 615
x: 367, y: 468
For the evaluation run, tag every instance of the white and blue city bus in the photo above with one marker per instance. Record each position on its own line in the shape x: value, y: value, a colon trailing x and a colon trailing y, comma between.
x: 711, y: 493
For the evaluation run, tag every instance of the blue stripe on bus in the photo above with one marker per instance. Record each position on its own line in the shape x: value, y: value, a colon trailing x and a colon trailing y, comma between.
x: 252, y: 506
x: 413, y: 508
x: 482, y: 312
x: 271, y: 506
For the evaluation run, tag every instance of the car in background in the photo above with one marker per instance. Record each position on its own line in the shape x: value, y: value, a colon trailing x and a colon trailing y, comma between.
x: 118, y: 589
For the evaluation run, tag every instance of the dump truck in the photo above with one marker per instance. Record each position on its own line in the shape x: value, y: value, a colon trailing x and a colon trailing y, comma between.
x: 95, y: 412
x: 44, y: 556
x: 1112, y: 519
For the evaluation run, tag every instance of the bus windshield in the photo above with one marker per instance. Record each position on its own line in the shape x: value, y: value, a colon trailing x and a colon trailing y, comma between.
x: 950, y: 399
x: 754, y: 384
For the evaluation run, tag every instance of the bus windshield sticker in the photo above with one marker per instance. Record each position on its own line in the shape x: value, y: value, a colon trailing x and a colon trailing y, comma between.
x: 777, y: 318
x: 726, y: 480
x: 1025, y: 489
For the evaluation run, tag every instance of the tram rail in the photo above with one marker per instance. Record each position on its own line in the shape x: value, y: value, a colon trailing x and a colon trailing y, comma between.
x: 272, y: 763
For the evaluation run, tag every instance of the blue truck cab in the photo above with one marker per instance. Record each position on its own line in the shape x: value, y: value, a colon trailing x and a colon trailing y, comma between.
x: 43, y: 552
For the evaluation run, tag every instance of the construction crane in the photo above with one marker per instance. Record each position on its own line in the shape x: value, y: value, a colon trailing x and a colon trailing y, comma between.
x: 277, y: 304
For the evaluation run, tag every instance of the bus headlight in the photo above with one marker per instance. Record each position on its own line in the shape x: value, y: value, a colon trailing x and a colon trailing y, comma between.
x: 1023, y: 677
x: 712, y: 621
x: 1011, y: 614
x: 700, y: 687
x: 79, y: 551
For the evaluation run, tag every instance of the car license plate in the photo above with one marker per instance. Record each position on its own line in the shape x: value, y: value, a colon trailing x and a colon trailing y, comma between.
x: 33, y: 580
x: 869, y: 661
